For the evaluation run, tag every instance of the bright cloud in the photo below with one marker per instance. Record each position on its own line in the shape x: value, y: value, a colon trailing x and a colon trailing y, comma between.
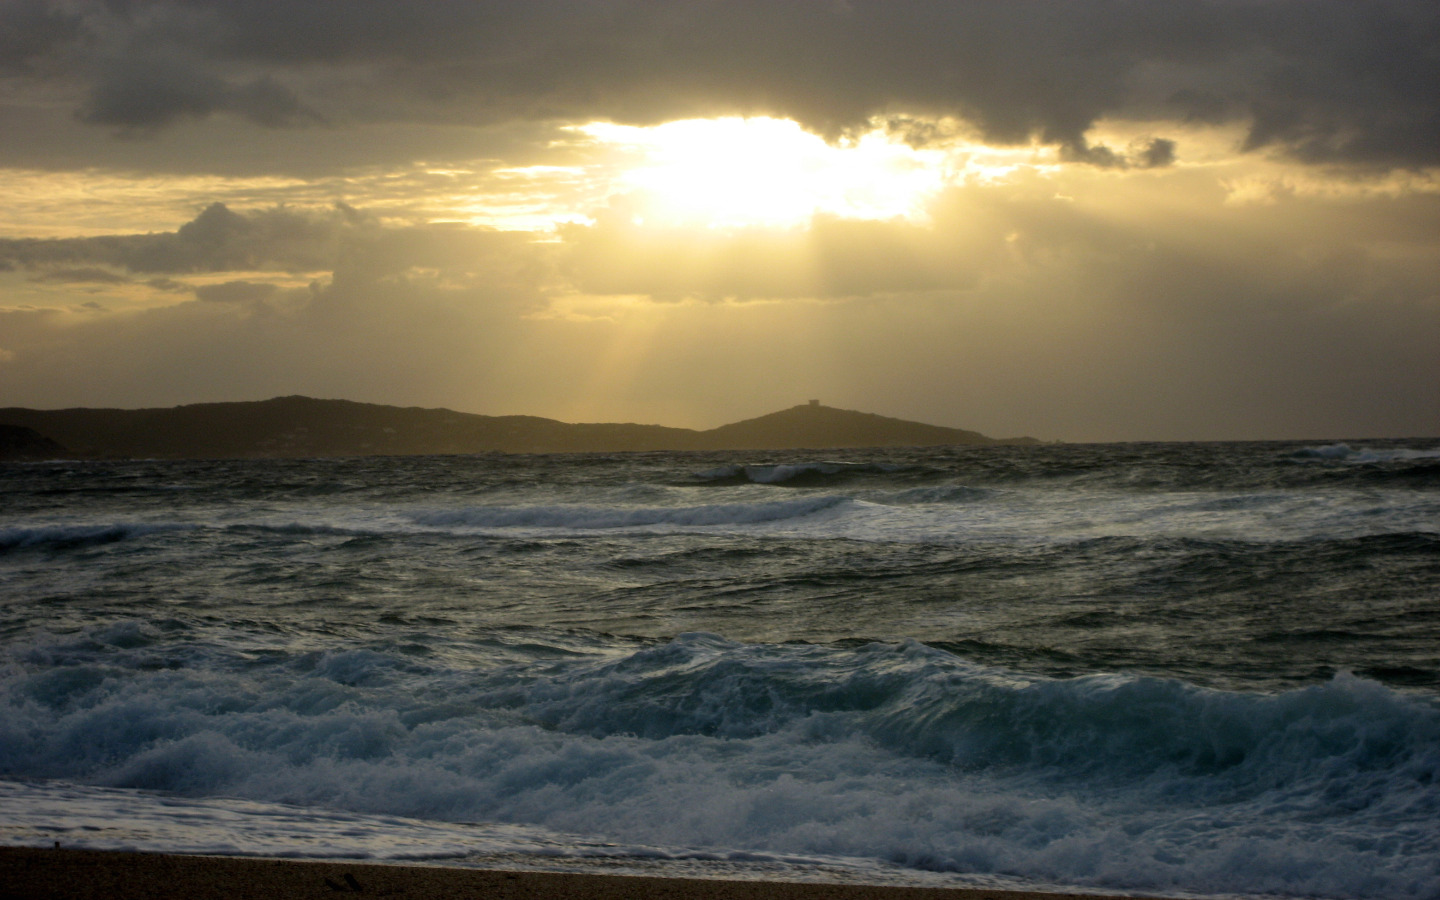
x: 731, y: 172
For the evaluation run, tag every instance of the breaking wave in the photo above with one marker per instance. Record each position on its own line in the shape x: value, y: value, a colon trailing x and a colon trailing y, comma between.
x: 75, y: 537
x: 591, y: 517
x: 1346, y: 453
x: 899, y: 752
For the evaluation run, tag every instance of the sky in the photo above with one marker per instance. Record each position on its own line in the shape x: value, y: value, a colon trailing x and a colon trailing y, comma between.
x: 1079, y: 220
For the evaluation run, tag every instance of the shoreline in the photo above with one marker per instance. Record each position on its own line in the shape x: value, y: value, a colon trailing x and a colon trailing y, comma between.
x: 40, y: 873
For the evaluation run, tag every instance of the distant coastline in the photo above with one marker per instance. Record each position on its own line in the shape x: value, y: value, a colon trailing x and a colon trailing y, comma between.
x: 304, y: 427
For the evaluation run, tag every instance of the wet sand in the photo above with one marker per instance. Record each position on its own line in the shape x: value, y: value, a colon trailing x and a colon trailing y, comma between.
x: 80, y: 874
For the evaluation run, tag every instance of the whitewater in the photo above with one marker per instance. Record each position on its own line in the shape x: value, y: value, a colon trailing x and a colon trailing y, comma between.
x: 1201, y: 670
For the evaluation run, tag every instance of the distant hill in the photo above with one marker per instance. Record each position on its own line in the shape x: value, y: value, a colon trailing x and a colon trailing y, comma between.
x: 20, y: 443
x: 824, y: 426
x: 291, y: 427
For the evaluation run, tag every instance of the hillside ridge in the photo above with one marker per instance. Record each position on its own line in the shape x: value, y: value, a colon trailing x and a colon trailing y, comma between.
x: 302, y: 427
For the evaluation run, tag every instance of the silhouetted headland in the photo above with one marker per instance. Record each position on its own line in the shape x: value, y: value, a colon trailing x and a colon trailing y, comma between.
x: 20, y: 443
x: 299, y: 427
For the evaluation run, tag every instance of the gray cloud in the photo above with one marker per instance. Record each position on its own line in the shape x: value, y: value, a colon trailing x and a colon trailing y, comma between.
x: 1157, y: 153
x: 1154, y: 153
x: 360, y: 254
x: 81, y: 275
x: 216, y: 240
x: 1330, y: 81
x: 31, y: 30
x: 235, y: 292
x: 142, y: 95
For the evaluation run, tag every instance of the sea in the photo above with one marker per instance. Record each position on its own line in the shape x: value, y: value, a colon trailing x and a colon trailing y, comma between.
x: 1183, y: 669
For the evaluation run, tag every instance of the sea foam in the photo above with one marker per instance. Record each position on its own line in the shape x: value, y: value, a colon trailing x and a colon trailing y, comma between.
x: 387, y: 650
x: 897, y: 752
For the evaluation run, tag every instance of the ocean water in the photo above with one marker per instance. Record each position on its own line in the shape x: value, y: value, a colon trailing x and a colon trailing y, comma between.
x: 1182, y: 669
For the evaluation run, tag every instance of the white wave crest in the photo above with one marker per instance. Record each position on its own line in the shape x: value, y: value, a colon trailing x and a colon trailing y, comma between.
x: 897, y: 754
x: 591, y: 517
x: 1364, y: 455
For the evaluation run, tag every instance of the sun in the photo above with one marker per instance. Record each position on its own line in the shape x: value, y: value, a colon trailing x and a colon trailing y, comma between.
x: 728, y: 174
x: 766, y: 172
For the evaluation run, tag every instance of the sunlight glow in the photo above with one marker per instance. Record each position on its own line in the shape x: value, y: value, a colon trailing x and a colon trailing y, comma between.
x: 734, y: 172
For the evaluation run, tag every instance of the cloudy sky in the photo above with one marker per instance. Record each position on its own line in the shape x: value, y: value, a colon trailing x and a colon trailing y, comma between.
x: 1073, y: 219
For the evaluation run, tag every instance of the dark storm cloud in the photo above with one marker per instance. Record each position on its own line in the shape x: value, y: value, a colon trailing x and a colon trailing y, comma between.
x: 32, y: 29
x: 148, y: 95
x: 1326, y: 80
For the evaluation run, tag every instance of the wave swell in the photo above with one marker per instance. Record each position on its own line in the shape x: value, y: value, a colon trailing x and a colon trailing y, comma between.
x: 591, y: 517
x: 807, y: 474
x: 75, y: 537
x: 1346, y: 453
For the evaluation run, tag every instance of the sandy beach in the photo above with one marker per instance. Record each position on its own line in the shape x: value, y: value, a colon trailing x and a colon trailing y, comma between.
x: 79, y: 874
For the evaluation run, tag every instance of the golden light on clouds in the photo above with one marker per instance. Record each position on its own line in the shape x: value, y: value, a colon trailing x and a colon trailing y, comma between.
x: 969, y: 213
x: 49, y: 204
x: 718, y: 173
x: 734, y: 172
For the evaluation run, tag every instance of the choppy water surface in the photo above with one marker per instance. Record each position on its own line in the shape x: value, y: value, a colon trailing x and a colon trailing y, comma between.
x: 1188, y: 668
